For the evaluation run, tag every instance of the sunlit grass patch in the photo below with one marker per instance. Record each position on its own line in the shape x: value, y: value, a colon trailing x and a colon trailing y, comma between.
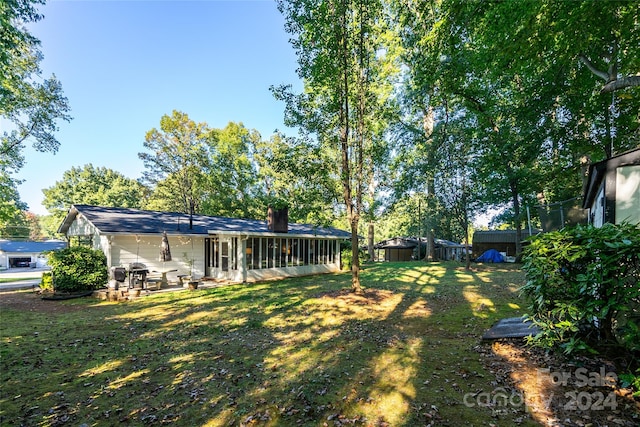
x: 301, y: 351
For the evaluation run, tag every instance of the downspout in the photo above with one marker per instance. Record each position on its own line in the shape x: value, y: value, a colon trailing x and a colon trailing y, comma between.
x: 108, y: 250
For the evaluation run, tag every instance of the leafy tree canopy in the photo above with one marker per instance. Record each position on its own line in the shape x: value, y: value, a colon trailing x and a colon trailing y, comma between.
x: 30, y: 105
x: 92, y: 186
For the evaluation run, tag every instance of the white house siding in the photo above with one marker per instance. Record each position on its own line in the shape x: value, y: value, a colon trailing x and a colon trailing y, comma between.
x: 82, y: 227
x: 126, y: 249
x: 305, y: 270
x: 628, y: 194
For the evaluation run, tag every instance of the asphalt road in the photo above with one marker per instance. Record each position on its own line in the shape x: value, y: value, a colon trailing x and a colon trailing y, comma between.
x: 33, y: 274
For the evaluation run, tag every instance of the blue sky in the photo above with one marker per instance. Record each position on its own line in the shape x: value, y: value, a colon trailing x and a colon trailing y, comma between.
x: 124, y: 64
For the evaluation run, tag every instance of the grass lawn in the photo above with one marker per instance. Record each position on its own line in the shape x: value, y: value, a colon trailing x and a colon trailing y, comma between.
x: 16, y: 279
x: 301, y: 351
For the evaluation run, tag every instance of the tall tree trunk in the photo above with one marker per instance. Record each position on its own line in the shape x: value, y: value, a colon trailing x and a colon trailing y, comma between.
x: 428, y: 126
x: 371, y: 239
x: 352, y: 209
x: 467, y: 252
x: 513, y: 184
x: 465, y: 222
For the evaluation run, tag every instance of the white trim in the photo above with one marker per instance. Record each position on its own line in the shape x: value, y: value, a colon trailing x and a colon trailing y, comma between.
x: 246, y: 235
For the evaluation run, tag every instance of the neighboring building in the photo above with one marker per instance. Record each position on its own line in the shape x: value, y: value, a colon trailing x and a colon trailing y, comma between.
x: 406, y: 249
x: 612, y: 190
x: 501, y: 240
x: 398, y: 248
x: 447, y: 250
x: 21, y: 254
x: 238, y: 250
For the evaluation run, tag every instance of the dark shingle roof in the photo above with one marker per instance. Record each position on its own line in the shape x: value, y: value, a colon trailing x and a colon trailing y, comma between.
x: 31, y: 247
x: 397, y: 243
x: 135, y: 221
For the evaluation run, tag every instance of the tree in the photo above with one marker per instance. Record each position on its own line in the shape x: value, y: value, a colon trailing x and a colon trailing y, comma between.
x: 30, y: 108
x: 194, y: 168
x: 517, y: 70
x: 175, y: 163
x: 10, y: 205
x: 337, y: 43
x: 231, y: 179
x: 294, y: 170
x: 91, y: 185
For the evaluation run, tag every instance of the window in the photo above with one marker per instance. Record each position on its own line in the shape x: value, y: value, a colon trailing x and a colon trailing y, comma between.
x: 211, y: 252
x: 224, y: 255
x: 305, y: 251
x: 264, y: 254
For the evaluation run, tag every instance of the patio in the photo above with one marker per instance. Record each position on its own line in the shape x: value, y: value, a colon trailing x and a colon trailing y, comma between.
x: 126, y: 293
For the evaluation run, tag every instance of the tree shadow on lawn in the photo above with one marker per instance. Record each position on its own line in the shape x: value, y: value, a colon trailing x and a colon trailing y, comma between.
x: 294, y: 352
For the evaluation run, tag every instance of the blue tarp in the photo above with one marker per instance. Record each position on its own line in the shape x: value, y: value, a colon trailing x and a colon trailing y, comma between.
x: 491, y: 255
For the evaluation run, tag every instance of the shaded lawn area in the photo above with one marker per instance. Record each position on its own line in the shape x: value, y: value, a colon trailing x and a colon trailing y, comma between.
x: 301, y: 351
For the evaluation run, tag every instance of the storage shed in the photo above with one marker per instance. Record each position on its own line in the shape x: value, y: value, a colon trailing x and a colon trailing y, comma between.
x: 398, y: 248
x: 501, y: 240
x: 612, y: 190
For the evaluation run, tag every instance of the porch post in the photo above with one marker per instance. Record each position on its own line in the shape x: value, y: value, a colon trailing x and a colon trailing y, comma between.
x: 242, y: 257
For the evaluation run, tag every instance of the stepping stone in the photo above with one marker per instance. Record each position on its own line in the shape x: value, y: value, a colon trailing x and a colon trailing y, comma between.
x: 512, y: 327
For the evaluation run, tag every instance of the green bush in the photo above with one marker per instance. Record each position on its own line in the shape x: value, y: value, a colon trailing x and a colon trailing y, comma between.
x: 78, y: 269
x: 584, y: 287
x: 346, y: 255
x: 47, y: 281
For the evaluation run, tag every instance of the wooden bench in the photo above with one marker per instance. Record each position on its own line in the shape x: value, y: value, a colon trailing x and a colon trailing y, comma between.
x: 181, y: 279
x: 154, y: 283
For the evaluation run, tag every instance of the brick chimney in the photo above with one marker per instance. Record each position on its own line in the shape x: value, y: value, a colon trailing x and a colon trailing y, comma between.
x: 278, y: 220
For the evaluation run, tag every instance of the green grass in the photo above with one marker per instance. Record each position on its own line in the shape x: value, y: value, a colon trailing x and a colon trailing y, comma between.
x: 293, y: 352
x: 16, y: 279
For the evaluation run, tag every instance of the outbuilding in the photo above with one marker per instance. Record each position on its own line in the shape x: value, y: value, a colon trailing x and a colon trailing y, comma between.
x: 612, y: 190
x: 503, y: 241
x: 398, y: 248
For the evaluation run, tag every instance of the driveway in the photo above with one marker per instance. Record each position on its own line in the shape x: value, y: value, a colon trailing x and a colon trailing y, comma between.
x: 28, y: 278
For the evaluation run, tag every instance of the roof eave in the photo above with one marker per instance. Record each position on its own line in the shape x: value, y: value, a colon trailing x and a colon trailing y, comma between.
x: 272, y: 234
x: 68, y: 220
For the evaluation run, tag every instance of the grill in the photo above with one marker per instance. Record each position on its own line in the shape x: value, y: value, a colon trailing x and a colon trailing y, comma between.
x: 137, y: 274
x: 119, y: 274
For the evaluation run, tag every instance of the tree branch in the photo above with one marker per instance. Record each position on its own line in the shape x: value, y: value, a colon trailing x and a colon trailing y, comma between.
x: 622, y: 83
x: 602, y: 74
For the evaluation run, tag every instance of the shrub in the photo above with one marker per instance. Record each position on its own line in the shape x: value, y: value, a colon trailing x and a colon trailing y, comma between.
x: 47, y: 281
x: 78, y: 269
x: 346, y: 255
x: 583, y: 283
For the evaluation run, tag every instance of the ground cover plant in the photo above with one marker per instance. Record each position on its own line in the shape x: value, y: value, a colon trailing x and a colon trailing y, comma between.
x: 301, y: 351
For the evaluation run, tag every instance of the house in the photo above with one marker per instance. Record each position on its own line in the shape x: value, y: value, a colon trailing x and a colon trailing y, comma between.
x: 612, y: 189
x: 501, y: 240
x: 237, y: 250
x: 20, y: 254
